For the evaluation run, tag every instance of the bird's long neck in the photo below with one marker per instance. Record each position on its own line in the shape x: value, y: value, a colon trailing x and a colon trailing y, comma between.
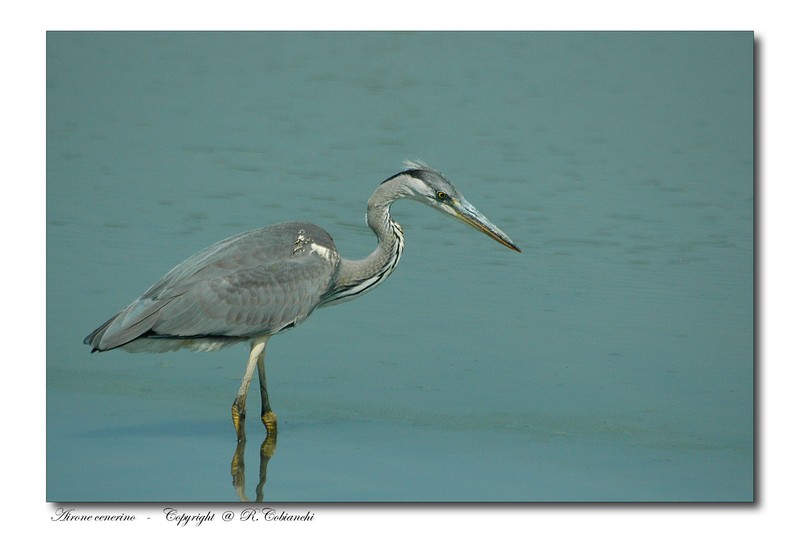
x: 358, y: 277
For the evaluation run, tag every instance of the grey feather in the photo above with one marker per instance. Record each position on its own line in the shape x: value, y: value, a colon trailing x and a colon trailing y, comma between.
x: 254, y: 283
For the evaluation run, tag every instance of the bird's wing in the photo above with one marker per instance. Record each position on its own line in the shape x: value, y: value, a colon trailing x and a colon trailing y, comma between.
x: 258, y: 282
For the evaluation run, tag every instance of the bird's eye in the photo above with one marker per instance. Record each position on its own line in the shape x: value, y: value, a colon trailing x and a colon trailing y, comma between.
x: 441, y: 195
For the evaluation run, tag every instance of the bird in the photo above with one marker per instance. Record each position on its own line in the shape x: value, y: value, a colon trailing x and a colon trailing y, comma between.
x: 263, y: 282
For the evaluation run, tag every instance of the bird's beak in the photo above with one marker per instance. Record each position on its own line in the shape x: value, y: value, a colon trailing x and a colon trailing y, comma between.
x: 466, y: 212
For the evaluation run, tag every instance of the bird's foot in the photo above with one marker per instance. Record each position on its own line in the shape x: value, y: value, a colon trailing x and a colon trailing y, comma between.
x: 238, y: 414
x: 270, y: 421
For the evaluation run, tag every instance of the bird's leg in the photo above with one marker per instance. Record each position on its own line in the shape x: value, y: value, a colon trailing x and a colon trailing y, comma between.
x: 239, y: 404
x: 267, y: 416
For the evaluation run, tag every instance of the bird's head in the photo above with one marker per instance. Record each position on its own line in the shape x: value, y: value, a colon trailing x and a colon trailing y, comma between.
x: 429, y: 186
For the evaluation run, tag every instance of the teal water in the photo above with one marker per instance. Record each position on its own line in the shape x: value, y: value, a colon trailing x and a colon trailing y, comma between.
x: 611, y: 361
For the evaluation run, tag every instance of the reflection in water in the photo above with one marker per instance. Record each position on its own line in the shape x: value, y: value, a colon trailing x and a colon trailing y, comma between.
x: 237, y: 466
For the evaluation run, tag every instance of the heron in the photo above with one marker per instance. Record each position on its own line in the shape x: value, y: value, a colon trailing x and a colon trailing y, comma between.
x: 256, y: 284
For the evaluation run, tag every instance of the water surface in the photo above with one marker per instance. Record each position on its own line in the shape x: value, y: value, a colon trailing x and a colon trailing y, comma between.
x: 611, y: 361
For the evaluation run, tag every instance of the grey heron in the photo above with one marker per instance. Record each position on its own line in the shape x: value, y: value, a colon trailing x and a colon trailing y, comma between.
x: 256, y: 284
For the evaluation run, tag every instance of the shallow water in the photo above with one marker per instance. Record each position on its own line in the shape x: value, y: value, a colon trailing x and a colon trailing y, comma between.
x: 611, y: 361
